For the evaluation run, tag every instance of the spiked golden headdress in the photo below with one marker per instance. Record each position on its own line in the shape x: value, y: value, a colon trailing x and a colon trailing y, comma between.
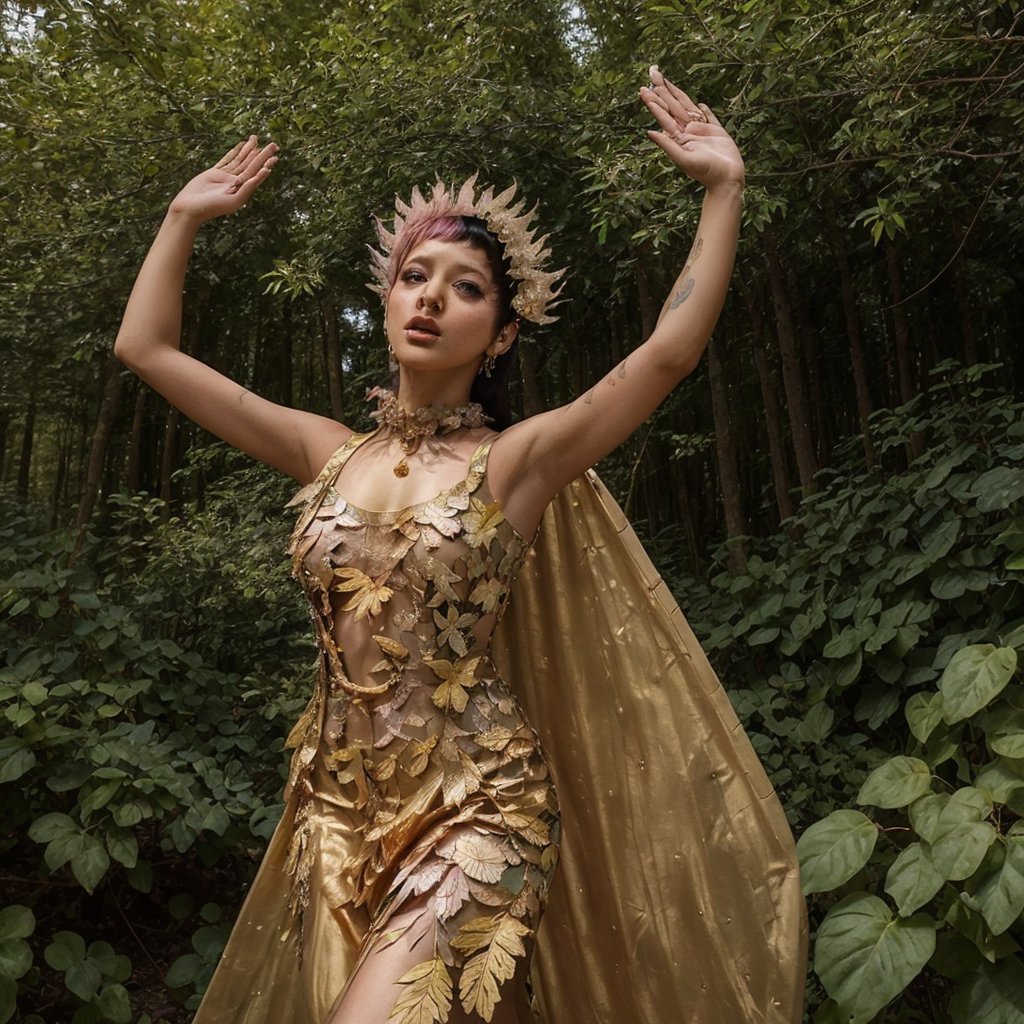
x: 526, y: 255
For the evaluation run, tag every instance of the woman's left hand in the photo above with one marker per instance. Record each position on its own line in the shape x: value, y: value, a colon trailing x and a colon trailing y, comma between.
x: 691, y: 135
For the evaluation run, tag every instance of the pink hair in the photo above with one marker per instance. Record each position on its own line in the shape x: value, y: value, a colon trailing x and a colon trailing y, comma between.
x: 451, y: 228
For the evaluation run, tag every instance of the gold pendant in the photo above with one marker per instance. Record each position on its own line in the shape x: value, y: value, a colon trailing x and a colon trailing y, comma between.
x: 402, y: 469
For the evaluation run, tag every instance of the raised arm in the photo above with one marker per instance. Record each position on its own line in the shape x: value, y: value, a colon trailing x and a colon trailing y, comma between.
x: 148, y: 342
x: 559, y: 445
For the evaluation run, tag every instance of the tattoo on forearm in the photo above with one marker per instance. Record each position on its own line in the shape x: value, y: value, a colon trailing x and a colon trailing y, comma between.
x: 683, y: 294
x: 695, y: 251
x: 241, y: 395
x: 588, y: 397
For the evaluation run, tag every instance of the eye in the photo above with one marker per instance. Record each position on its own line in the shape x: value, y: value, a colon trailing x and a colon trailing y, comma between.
x: 413, y: 275
x: 469, y: 288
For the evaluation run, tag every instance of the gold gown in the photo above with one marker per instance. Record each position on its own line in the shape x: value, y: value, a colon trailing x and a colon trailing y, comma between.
x: 676, y: 896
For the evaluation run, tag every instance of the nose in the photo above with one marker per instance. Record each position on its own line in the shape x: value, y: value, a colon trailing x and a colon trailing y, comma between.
x: 429, y: 299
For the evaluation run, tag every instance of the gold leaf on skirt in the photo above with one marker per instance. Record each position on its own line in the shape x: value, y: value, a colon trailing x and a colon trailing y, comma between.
x: 451, y: 893
x: 495, y: 738
x: 530, y: 828
x: 428, y: 995
x: 490, y: 895
x: 383, y: 769
x: 480, y: 857
x: 484, y: 973
x: 418, y: 752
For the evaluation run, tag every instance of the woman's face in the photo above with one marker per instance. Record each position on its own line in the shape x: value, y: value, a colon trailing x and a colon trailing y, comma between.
x: 443, y: 309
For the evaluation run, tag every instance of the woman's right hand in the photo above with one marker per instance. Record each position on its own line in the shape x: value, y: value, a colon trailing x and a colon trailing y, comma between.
x: 228, y: 184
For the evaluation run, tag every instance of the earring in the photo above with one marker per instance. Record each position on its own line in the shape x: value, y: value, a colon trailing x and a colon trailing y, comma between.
x: 487, y: 366
x: 392, y: 361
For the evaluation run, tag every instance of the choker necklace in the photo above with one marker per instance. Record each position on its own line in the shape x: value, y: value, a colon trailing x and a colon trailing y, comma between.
x: 412, y: 427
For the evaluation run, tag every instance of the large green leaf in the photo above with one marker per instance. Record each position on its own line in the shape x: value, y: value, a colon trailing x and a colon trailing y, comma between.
x: 913, y: 879
x: 865, y: 957
x: 973, y: 677
x: 924, y: 712
x: 16, y: 922
x: 896, y: 783
x: 834, y: 849
x: 15, y: 958
x: 1000, y: 898
x: 999, y: 780
x: 993, y: 995
x: 1005, y: 732
x: 91, y: 864
x: 954, y: 828
x: 998, y: 488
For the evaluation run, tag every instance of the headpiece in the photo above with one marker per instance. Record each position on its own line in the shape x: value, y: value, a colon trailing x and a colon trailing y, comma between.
x: 526, y: 255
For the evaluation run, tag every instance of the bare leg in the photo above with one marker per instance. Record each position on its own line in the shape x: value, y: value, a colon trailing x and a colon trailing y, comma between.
x: 371, y: 992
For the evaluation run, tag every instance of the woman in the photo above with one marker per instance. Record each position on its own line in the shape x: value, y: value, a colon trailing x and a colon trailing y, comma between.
x: 423, y: 825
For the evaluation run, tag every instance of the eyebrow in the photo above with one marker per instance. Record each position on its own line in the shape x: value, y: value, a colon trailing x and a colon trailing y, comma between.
x: 460, y: 268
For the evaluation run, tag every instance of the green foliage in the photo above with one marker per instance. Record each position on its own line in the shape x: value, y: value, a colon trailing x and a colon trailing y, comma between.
x: 17, y: 923
x: 94, y: 975
x: 192, y: 972
x: 127, y: 744
x: 873, y: 652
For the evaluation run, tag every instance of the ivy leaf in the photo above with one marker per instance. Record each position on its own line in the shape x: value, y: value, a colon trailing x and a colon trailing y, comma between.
x: 896, y: 783
x: 834, y: 849
x: 1004, y: 732
x: 1000, y: 898
x: 924, y: 711
x: 953, y: 826
x: 993, y: 994
x: 90, y: 865
x: 912, y: 879
x: 973, y: 677
x: 865, y: 957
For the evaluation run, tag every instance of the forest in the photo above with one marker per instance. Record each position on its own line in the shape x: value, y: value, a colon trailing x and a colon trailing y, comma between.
x: 835, y: 496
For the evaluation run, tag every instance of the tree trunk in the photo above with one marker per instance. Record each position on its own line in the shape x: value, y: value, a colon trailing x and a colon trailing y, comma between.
x: 5, y: 422
x: 684, y: 497
x: 809, y: 338
x: 134, y: 473
x: 24, y: 463
x: 335, y: 381
x: 285, y: 359
x: 966, y: 320
x: 901, y: 333
x: 735, y: 524
x: 792, y: 380
x: 851, y: 313
x: 770, y: 398
x: 533, y: 402
x: 110, y: 403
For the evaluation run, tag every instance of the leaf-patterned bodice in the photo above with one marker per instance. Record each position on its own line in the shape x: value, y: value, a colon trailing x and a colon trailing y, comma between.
x: 409, y: 713
x: 397, y: 594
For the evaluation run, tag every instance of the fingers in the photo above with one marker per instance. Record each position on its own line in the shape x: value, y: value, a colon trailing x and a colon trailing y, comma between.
x: 245, y: 189
x: 677, y: 102
x: 236, y: 154
x: 710, y: 115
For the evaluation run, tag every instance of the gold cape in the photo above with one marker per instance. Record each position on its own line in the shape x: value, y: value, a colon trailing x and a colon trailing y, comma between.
x: 677, y: 895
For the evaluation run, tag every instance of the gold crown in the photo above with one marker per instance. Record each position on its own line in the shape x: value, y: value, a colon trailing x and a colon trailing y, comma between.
x: 526, y: 255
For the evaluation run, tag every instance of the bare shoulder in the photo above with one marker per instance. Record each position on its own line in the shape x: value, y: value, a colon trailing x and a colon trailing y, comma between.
x: 321, y: 438
x: 522, y: 491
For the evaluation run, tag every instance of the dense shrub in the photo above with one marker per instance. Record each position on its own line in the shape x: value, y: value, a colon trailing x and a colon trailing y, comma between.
x: 871, y: 649
x: 147, y: 688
